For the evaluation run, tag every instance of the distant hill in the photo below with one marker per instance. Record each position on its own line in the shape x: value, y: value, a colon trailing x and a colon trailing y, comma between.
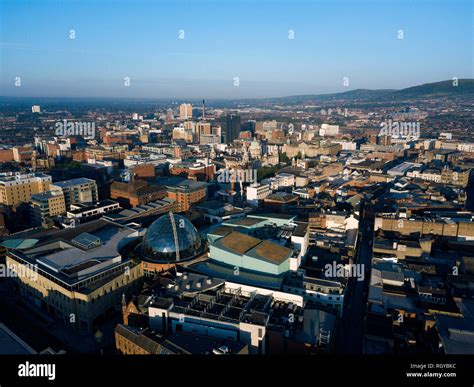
x: 346, y: 95
x: 465, y: 87
x: 441, y: 89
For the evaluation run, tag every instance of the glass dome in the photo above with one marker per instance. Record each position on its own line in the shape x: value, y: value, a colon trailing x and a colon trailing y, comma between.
x: 159, y: 242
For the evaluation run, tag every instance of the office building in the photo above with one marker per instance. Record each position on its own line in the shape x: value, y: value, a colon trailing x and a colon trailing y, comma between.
x: 45, y: 205
x: 77, y: 275
x: 257, y: 192
x: 18, y: 188
x: 136, y: 193
x: 76, y: 191
x: 231, y: 127
x: 184, y: 192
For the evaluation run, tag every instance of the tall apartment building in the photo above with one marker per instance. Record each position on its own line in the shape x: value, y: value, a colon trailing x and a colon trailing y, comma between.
x: 18, y: 188
x: 185, y: 110
x: 76, y: 191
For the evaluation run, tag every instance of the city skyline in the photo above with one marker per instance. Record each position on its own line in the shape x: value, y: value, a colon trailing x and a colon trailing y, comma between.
x: 187, y: 50
x: 236, y: 180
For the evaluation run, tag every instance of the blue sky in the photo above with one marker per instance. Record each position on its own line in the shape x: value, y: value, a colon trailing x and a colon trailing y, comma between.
x: 226, y: 39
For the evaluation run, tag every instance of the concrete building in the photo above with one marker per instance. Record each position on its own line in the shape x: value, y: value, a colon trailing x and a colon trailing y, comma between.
x: 185, y: 111
x: 231, y: 128
x: 426, y: 175
x: 143, y: 212
x: 458, y: 224
x: 212, y: 307
x: 202, y: 169
x: 318, y: 291
x: 83, y: 212
x: 244, y: 251
x: 209, y: 139
x: 47, y: 204
x: 281, y: 180
x: 279, y: 201
x: 77, y: 275
x: 136, y: 193
x: 216, y: 211
x: 456, y: 176
x: 76, y: 191
x: 18, y: 188
x: 257, y: 192
x: 328, y: 130
x: 262, y: 247
x: 184, y: 192
x: 403, y: 168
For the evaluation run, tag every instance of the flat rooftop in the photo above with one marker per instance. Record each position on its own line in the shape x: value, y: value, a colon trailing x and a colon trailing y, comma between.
x: 110, y: 237
x: 245, y: 221
x: 270, y: 251
x: 74, y: 264
x: 237, y: 242
x: 73, y: 182
x: 8, y: 177
x: 200, y: 345
x: 88, y: 207
x: 243, y: 244
x: 177, y: 182
x: 221, y: 231
x: 231, y: 304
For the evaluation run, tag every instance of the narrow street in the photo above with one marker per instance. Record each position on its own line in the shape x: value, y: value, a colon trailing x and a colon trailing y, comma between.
x: 351, y: 330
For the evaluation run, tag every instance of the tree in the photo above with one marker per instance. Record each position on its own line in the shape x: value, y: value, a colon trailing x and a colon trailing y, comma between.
x: 264, y: 172
x: 284, y: 159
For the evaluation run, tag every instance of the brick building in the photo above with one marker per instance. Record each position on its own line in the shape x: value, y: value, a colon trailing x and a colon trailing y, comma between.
x: 136, y: 193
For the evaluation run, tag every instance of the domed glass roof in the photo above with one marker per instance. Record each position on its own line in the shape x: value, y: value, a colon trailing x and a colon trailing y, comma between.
x: 159, y: 242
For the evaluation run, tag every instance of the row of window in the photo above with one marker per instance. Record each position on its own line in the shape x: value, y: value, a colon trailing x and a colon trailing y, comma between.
x: 296, y: 291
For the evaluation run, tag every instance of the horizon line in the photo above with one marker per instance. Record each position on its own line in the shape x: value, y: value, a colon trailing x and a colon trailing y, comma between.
x: 226, y: 98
